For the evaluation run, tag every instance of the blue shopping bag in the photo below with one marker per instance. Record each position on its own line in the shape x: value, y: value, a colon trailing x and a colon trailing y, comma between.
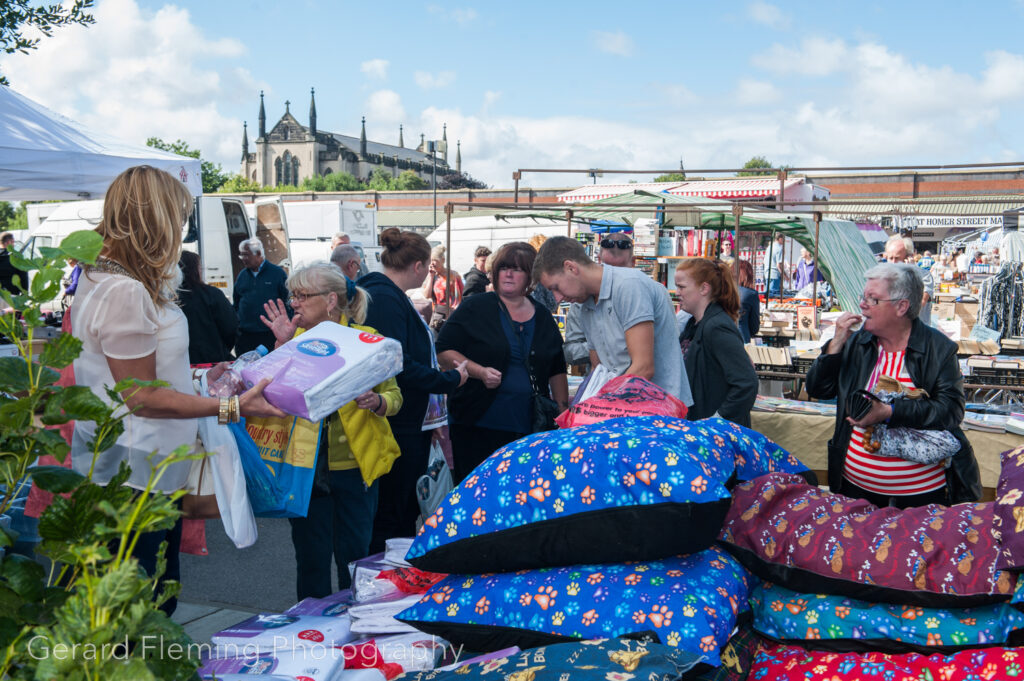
x: 279, y: 462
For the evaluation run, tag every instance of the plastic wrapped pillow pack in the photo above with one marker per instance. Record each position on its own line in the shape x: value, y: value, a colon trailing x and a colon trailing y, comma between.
x: 323, y: 664
x: 324, y: 368
x: 269, y: 632
x: 335, y: 605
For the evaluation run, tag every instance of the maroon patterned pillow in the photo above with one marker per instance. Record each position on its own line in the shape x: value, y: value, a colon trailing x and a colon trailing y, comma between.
x: 1010, y: 510
x: 791, y: 533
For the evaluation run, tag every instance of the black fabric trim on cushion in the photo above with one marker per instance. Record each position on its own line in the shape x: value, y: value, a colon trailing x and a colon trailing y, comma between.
x: 880, y: 645
x: 805, y: 581
x: 609, y: 535
x: 486, y: 638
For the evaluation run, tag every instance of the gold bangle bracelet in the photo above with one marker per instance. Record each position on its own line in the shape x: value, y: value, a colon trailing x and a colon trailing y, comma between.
x: 236, y: 411
x: 223, y: 410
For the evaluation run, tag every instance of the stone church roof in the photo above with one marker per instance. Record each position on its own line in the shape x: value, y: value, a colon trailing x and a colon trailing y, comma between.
x: 387, y: 150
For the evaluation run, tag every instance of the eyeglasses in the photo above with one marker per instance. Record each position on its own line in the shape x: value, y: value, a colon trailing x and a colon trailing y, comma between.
x: 873, y: 302
x: 302, y: 297
x: 621, y: 244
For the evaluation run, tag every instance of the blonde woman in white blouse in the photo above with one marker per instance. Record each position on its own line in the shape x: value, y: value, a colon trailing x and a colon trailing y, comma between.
x: 130, y: 327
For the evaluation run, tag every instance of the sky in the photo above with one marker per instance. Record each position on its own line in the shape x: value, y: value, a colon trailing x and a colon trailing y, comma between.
x: 638, y: 85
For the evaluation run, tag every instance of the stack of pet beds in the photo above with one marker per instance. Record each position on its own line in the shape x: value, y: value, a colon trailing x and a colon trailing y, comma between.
x: 594, y: 532
x: 853, y: 591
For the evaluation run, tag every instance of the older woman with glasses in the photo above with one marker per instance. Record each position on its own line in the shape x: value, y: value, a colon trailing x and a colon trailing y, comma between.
x: 893, y: 342
x: 506, y: 336
x: 356, y: 442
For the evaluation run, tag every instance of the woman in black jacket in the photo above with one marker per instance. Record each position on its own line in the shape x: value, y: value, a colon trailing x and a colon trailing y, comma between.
x: 722, y: 378
x: 212, y: 322
x: 503, y: 335
x: 405, y: 258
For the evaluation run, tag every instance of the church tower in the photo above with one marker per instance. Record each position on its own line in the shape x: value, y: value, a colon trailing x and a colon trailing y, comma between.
x: 312, y: 112
x: 458, y: 157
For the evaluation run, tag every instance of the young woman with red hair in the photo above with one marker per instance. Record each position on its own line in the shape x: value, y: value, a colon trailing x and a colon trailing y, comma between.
x: 722, y: 378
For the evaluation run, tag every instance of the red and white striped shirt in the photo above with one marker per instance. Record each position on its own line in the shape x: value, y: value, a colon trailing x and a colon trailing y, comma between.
x: 882, y: 474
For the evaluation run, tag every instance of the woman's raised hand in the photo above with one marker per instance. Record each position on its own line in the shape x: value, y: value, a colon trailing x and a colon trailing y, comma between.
x: 276, y: 319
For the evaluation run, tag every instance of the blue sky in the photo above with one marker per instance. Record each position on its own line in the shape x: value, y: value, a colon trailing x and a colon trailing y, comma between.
x: 535, y: 84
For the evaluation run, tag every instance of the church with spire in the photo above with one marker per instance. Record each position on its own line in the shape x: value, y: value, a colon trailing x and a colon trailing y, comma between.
x: 289, y: 152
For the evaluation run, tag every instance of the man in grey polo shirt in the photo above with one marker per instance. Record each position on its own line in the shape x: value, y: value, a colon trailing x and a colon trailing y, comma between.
x: 626, y: 316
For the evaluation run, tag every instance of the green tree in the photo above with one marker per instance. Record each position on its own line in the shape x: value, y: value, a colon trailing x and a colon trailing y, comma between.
x: 755, y: 162
x: 381, y: 181
x: 18, y: 15
x: 408, y: 180
x: 671, y: 177
x: 6, y: 214
x: 213, y: 175
x: 458, y: 181
x: 18, y: 219
x: 333, y: 182
x: 236, y: 184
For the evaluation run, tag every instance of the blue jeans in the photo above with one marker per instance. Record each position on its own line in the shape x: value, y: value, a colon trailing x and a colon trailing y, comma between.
x: 337, y: 525
x: 774, y: 286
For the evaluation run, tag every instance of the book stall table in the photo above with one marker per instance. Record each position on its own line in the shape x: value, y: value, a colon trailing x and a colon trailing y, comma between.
x: 804, y: 428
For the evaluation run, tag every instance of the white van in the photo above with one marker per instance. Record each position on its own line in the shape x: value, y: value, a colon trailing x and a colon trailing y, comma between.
x: 491, y: 231
x: 313, y: 224
x: 215, y: 229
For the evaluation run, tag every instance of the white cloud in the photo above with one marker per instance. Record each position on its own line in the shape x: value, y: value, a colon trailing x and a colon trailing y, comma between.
x: 384, y: 112
x: 375, y: 68
x: 429, y: 81
x: 617, y: 43
x: 461, y: 15
x: 767, y: 15
x: 813, y: 57
x: 142, y: 74
x: 754, y: 92
x: 491, y: 97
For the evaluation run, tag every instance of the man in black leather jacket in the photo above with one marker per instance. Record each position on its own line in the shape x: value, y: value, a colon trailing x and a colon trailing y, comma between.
x: 846, y: 365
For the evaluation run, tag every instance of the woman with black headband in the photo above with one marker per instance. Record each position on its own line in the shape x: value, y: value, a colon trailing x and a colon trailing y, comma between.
x: 722, y: 378
x: 356, y: 442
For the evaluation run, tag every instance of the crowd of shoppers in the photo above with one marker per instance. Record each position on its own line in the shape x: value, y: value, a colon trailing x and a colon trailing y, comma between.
x: 487, y: 349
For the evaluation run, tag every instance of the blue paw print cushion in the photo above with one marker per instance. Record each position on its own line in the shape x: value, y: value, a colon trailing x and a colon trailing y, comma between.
x: 636, y: 488
x: 826, y: 622
x: 690, y: 602
x: 755, y: 454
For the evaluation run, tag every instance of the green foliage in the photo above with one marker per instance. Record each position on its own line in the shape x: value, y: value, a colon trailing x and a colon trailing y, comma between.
x: 408, y: 180
x: 753, y: 163
x: 671, y: 177
x: 333, y: 182
x: 212, y: 173
x: 13, y: 219
x: 381, y: 181
x: 18, y: 15
x: 95, y: 614
x: 236, y: 184
x: 458, y: 181
x: 7, y: 213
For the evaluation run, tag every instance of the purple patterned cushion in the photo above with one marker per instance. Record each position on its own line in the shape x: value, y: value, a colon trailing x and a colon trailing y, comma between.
x: 791, y: 533
x: 1010, y: 510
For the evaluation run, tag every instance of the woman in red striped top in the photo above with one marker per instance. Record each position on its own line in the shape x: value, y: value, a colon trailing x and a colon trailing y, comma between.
x: 894, y: 342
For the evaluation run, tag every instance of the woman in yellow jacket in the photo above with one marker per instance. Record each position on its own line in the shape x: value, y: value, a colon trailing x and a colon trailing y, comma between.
x: 356, y: 442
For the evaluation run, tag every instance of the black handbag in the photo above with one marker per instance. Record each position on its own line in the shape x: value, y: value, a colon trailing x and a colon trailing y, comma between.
x: 543, y: 409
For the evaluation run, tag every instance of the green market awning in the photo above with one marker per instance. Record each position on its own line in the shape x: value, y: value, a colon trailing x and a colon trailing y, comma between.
x: 843, y: 254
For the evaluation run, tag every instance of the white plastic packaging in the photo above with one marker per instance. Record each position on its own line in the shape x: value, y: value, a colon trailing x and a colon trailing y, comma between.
x: 324, y: 368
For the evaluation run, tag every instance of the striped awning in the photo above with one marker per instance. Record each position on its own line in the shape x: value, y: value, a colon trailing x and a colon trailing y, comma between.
x: 739, y: 188
x: 595, y: 192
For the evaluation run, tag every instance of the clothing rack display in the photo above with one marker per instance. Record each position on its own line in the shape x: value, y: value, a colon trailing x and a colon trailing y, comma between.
x: 1001, y: 299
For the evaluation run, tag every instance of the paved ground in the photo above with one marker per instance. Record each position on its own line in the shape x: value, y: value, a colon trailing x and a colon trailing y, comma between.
x: 229, y: 584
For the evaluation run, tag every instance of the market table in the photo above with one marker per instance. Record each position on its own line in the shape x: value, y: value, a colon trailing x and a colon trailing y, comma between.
x: 806, y: 437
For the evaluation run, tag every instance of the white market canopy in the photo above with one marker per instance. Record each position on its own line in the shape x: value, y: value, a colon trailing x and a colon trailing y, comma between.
x: 44, y: 155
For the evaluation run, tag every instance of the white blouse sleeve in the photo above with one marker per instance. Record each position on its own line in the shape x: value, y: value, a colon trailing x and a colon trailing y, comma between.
x: 125, y: 320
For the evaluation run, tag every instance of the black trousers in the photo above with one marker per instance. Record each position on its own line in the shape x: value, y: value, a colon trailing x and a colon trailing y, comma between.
x: 249, y: 340
x: 397, y: 507
x: 337, y: 525
x: 939, y: 496
x: 472, y: 444
x: 146, y: 550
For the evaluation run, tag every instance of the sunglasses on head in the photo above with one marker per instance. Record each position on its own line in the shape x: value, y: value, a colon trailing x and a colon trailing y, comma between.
x: 622, y: 244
